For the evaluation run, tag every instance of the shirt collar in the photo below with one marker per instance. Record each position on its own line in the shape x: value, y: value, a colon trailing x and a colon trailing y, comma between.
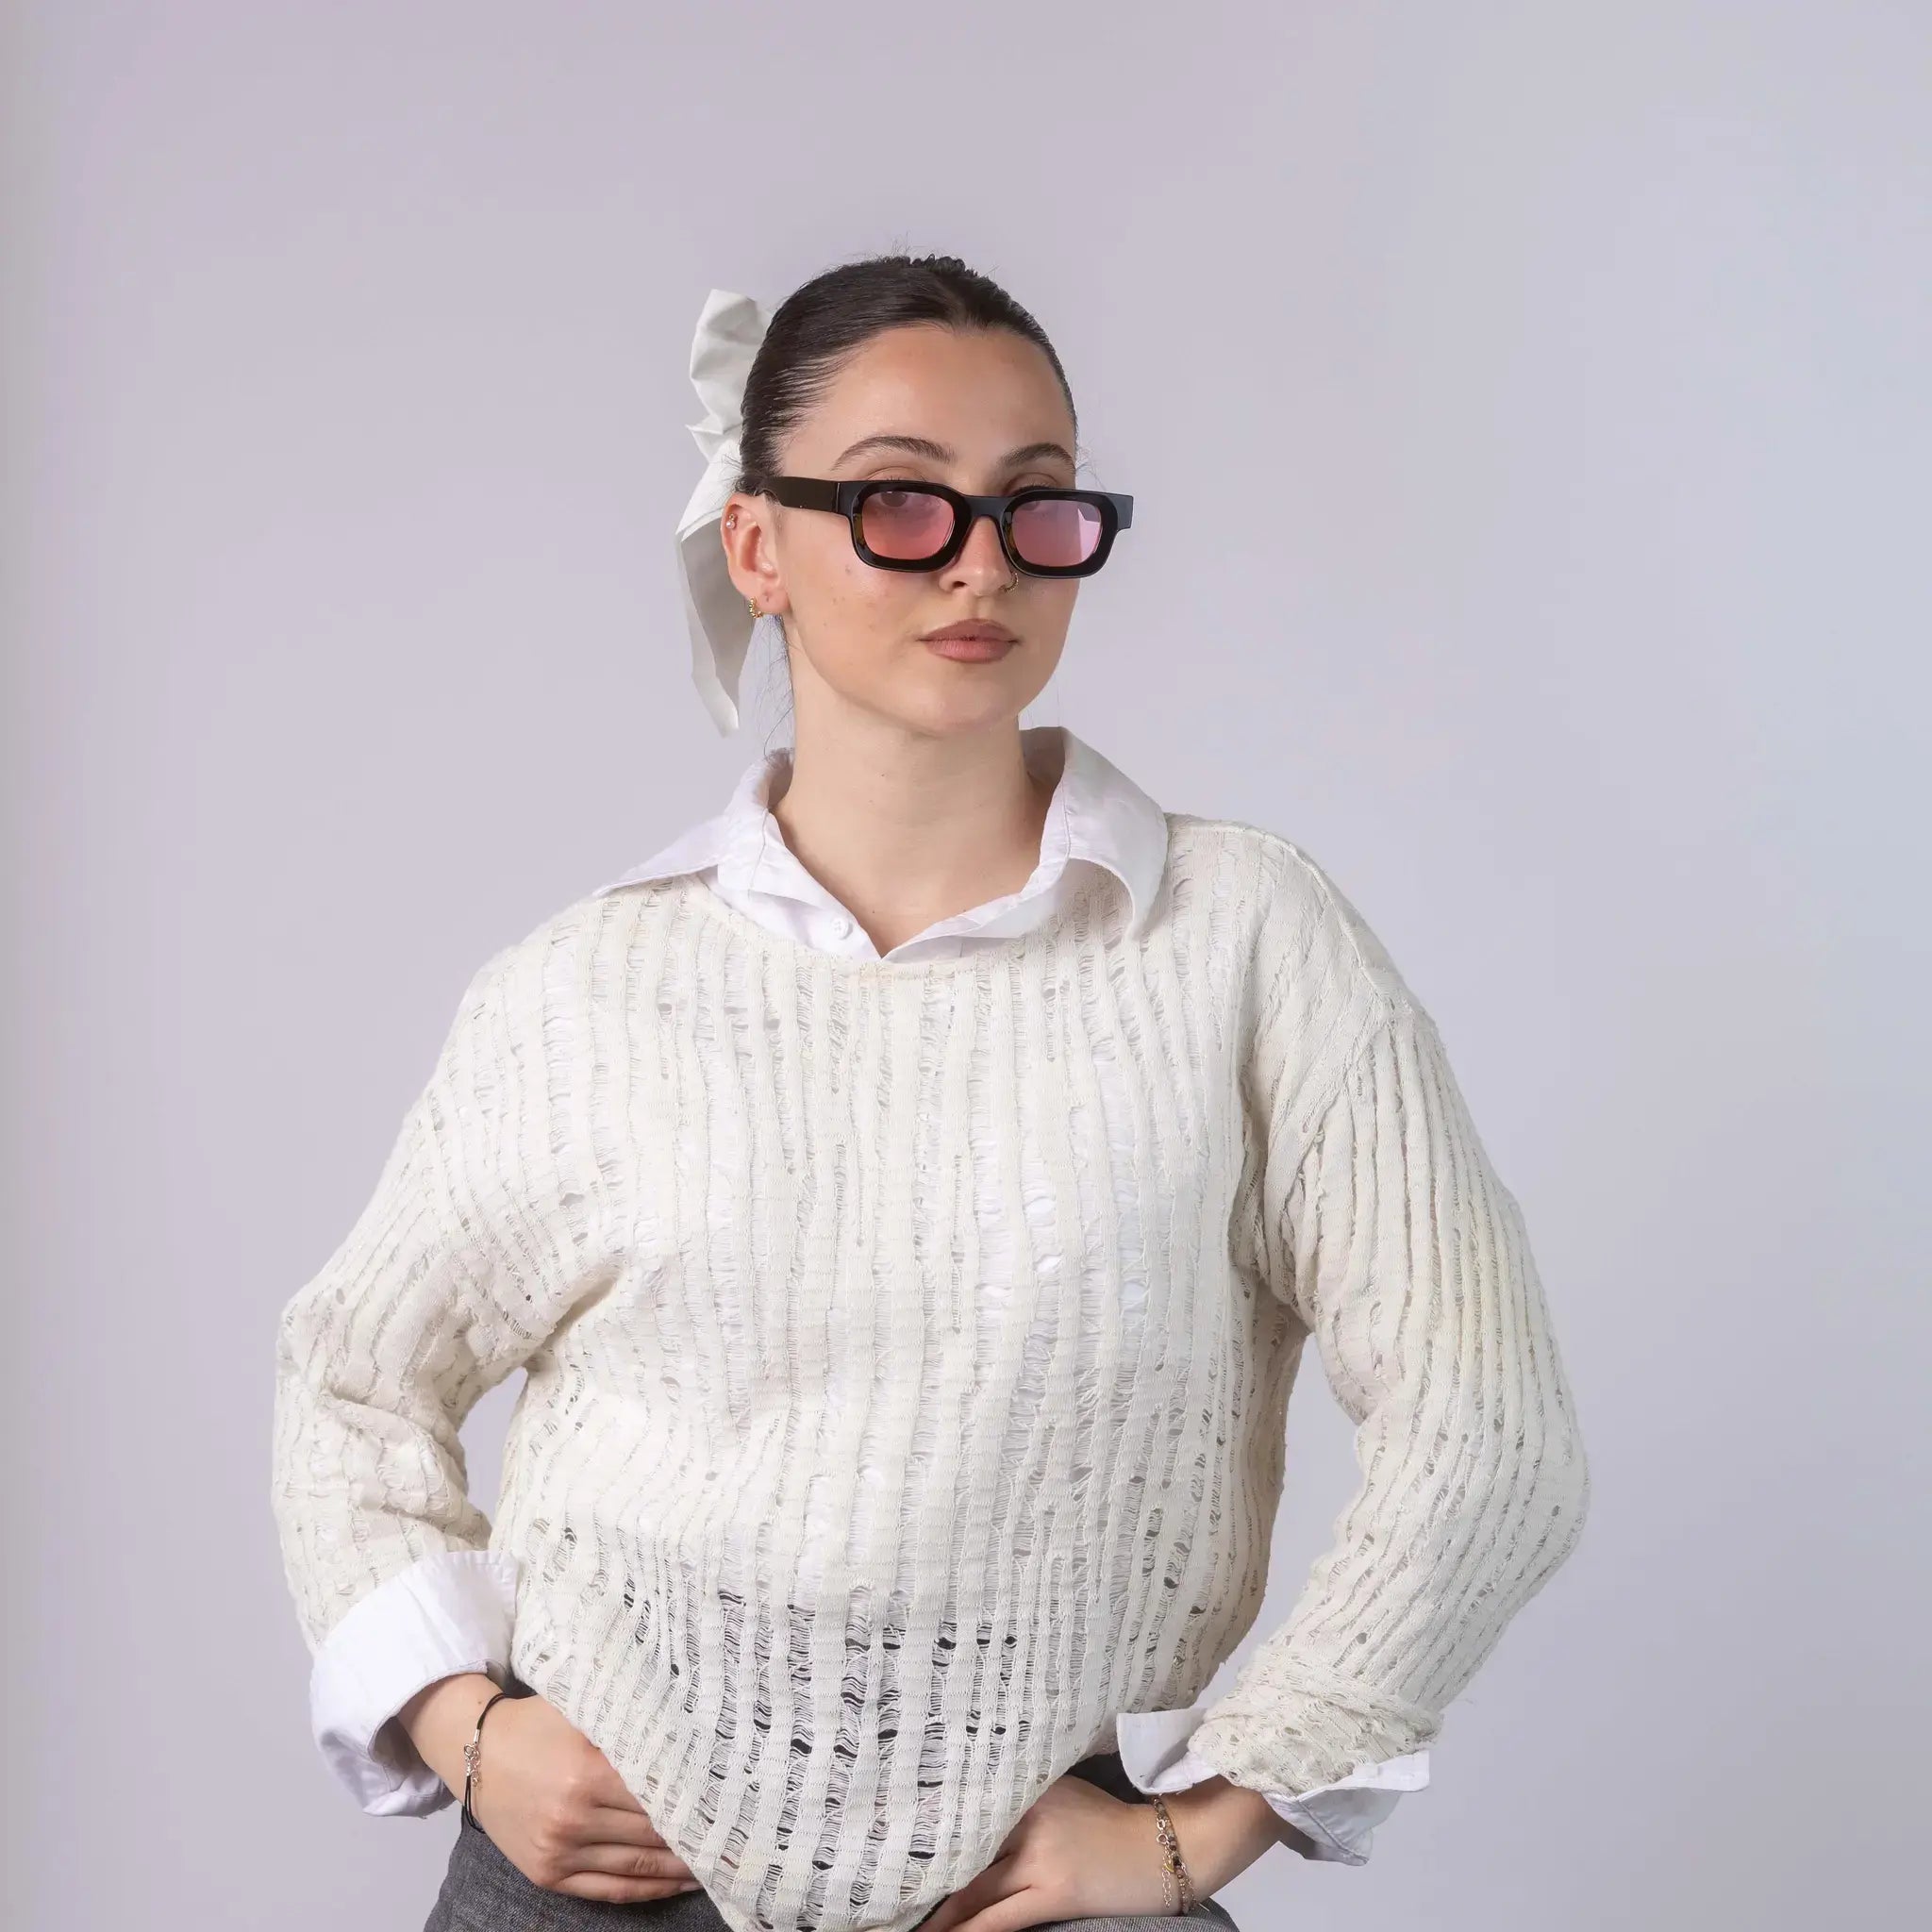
x: 1097, y: 813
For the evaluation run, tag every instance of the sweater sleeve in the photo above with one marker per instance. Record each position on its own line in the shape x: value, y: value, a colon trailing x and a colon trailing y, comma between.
x: 461, y: 1265
x: 1386, y: 1229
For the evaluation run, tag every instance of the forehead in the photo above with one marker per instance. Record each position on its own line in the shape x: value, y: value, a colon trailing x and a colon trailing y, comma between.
x: 979, y: 391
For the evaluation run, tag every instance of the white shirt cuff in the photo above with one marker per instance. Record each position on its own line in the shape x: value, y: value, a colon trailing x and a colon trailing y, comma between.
x: 447, y: 1613
x: 1339, y: 1819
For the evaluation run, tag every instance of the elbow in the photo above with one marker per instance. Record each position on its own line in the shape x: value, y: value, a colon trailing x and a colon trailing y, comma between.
x: 1529, y: 1497
x: 1573, y: 1486
x: 1557, y: 1483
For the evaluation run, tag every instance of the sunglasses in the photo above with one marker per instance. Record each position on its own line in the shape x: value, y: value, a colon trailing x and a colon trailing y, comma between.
x: 908, y: 525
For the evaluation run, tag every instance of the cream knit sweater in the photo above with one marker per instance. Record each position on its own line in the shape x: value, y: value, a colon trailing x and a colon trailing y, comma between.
x: 851, y: 1495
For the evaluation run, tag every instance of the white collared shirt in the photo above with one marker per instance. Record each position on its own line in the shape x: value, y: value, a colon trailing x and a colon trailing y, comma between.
x: 1097, y: 816
x: 453, y: 1612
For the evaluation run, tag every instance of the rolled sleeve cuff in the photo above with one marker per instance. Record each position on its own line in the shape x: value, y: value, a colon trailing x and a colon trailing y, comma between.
x: 1338, y: 1819
x: 448, y: 1613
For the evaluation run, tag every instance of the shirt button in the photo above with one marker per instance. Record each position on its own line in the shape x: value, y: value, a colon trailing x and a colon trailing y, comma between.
x: 842, y: 927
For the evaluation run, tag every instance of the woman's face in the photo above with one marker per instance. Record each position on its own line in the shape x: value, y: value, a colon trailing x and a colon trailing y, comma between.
x: 984, y: 400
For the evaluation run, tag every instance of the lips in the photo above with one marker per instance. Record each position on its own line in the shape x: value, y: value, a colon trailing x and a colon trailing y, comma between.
x: 971, y: 631
x: 976, y: 646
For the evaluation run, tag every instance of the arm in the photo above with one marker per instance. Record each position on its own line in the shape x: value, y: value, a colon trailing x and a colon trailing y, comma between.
x: 463, y: 1263
x: 1385, y: 1228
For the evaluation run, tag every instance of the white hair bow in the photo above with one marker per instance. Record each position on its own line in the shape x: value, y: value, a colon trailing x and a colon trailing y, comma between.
x: 717, y: 615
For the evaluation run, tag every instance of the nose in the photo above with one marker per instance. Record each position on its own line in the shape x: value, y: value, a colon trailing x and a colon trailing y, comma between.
x: 981, y: 563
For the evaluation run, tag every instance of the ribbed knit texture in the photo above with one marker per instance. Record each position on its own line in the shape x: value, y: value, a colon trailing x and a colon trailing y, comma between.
x: 909, y: 1346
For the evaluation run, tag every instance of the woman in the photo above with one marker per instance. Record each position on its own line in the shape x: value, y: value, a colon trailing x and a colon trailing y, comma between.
x: 908, y: 1195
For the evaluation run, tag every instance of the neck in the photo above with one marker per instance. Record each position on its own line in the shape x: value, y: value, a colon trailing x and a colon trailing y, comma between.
x: 907, y: 828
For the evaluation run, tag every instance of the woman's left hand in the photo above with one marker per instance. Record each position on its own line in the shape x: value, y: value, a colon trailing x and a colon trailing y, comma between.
x: 1078, y: 1853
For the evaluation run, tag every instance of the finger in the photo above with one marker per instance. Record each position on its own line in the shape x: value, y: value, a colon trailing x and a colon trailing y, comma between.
x: 622, y: 1892
x: 628, y: 1861
x: 1026, y: 1906
x: 600, y: 1786
x: 620, y: 1825
x: 989, y: 1883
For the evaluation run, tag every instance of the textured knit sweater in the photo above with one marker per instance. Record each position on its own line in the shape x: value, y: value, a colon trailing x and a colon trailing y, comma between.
x: 851, y: 1497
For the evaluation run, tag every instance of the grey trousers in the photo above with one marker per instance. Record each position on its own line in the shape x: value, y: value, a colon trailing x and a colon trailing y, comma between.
x: 482, y: 1892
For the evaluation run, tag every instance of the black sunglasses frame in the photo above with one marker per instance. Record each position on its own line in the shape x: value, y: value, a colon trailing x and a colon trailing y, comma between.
x: 847, y: 499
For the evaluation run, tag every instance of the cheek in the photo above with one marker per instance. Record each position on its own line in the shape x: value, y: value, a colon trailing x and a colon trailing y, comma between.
x: 1050, y: 605
x: 854, y: 613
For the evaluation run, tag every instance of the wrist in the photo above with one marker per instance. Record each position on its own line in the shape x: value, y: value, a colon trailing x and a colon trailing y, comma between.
x: 1223, y: 1828
x: 441, y: 1719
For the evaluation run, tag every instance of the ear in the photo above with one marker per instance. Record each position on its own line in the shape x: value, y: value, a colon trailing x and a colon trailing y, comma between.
x: 750, y: 555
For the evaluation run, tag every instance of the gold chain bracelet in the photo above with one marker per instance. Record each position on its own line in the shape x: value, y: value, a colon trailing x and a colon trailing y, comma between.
x: 1172, y: 1863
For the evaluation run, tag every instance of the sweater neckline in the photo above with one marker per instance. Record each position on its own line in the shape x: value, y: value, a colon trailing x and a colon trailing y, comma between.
x: 1018, y: 947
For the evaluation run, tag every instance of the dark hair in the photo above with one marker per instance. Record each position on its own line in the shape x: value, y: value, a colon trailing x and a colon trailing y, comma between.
x: 823, y: 320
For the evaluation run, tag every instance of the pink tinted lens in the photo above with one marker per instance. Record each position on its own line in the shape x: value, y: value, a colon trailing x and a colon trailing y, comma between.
x: 1055, y: 532
x: 908, y: 524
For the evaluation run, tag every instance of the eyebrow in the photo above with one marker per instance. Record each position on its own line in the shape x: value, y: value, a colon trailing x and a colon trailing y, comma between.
x: 939, y: 453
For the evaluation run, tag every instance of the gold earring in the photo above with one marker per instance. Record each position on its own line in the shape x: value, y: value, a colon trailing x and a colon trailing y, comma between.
x: 753, y: 604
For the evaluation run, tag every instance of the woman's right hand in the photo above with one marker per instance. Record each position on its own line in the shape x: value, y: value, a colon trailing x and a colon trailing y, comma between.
x: 549, y: 1800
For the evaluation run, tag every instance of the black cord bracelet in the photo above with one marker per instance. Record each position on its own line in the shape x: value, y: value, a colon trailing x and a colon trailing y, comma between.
x: 473, y: 1755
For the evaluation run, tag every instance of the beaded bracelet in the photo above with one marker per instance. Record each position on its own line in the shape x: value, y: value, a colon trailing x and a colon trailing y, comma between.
x: 1173, y: 1865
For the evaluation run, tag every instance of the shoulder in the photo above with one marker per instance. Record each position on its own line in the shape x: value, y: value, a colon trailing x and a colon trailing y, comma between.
x: 1315, y: 979
x: 556, y: 951
x: 530, y: 992
x: 1290, y: 916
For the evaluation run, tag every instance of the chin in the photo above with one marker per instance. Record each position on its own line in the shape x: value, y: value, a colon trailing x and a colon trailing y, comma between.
x: 958, y: 714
